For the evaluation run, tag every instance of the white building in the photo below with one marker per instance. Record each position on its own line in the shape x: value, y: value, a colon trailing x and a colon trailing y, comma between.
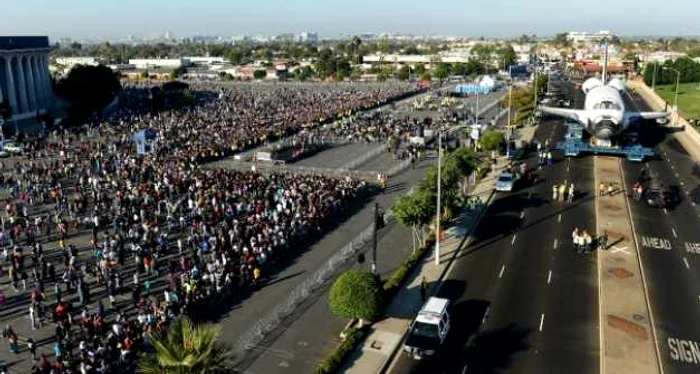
x: 583, y: 37
x: 71, y: 61
x: 150, y: 63
x: 307, y: 37
x: 205, y: 60
x: 661, y: 56
x: 25, y: 81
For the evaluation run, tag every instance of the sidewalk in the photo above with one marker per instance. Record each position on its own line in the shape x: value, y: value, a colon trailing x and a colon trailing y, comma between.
x: 385, y: 336
x: 626, y: 333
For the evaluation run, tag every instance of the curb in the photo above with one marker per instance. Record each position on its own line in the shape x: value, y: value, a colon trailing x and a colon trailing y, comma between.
x: 390, y: 358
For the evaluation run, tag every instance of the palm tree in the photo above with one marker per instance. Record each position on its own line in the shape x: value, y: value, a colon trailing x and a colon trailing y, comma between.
x: 187, y: 348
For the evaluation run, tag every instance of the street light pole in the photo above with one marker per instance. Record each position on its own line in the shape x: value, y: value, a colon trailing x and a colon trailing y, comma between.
x: 675, y: 96
x: 437, y: 223
x: 653, y: 77
x: 510, y: 104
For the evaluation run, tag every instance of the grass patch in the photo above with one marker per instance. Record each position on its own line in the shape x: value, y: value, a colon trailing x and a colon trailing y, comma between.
x: 688, y: 98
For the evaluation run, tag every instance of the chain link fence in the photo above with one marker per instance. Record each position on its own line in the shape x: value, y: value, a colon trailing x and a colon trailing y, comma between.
x: 256, y: 334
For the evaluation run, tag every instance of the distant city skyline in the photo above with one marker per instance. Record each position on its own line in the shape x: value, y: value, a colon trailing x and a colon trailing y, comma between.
x: 117, y: 19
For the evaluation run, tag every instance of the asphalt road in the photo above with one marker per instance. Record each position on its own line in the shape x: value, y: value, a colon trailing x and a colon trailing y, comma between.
x: 509, y: 314
x: 669, y: 243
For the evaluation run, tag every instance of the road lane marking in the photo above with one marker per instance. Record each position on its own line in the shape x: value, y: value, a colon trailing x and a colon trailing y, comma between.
x: 486, y: 314
x: 682, y: 184
x: 676, y: 175
x: 522, y: 214
x: 541, y: 321
x: 464, y: 370
x: 549, y: 277
x: 692, y: 202
x: 665, y: 211
x: 512, y: 242
x: 674, y: 232
x: 556, y: 243
x: 686, y: 262
x: 559, y: 219
x: 503, y: 268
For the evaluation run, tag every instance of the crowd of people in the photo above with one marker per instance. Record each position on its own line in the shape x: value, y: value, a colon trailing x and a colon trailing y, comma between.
x: 207, y: 232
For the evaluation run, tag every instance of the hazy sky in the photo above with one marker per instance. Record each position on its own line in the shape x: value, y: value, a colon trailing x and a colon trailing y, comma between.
x: 97, y: 19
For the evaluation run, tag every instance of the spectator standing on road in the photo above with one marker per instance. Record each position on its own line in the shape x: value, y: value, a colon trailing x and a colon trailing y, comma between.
x: 574, y: 239
x: 31, y: 346
x: 601, y: 189
x: 561, y: 192
x: 423, y: 289
x: 587, y: 241
x: 603, y: 240
x: 571, y: 193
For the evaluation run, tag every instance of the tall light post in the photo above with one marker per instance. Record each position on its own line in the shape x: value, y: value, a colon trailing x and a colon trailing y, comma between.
x: 439, y: 193
x: 535, y: 81
x: 437, y: 223
x: 653, y: 77
x: 675, y: 96
x: 510, y: 105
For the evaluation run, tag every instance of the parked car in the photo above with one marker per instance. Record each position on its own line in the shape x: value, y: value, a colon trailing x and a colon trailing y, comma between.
x: 505, y: 182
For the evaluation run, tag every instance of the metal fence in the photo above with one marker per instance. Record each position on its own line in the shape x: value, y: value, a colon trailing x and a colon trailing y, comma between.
x: 255, y: 336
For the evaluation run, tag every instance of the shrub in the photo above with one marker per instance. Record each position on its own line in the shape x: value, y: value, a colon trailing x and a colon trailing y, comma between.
x: 356, y: 294
x: 333, y: 362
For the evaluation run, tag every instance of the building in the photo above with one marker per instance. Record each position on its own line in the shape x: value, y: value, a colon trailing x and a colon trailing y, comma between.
x: 69, y: 62
x: 307, y: 37
x: 205, y: 60
x: 158, y: 63
x: 583, y: 37
x: 25, y: 82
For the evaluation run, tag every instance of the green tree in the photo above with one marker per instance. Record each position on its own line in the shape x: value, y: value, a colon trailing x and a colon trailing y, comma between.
x: 259, y: 74
x: 415, y: 212
x: 179, y: 71
x: 88, y: 88
x: 356, y: 294
x: 403, y: 73
x: 426, y: 77
x: 382, y: 76
x: 507, y: 56
x: 236, y: 56
x: 442, y: 71
x: 491, y: 140
x: 339, y: 76
x: 186, y: 348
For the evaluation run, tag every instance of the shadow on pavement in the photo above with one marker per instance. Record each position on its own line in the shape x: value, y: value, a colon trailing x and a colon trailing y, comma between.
x: 492, y: 351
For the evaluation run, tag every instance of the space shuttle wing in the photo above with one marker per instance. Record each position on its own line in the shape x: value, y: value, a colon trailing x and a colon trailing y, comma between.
x: 638, y: 116
x: 574, y: 114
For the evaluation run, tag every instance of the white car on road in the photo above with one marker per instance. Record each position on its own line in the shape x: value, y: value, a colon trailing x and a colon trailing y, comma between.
x: 505, y: 182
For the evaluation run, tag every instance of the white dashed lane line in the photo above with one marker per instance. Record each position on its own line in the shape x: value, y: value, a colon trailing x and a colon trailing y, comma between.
x: 687, y: 265
x: 512, y: 242
x: 674, y: 233
x: 559, y: 219
x: 522, y: 214
x: 503, y: 269
x: 541, y: 321
x: 556, y: 243
x: 549, y: 277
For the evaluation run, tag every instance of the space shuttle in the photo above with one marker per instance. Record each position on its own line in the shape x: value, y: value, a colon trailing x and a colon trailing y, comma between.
x: 604, y: 115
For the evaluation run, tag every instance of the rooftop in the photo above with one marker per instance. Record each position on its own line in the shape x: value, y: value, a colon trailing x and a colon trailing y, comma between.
x: 9, y: 43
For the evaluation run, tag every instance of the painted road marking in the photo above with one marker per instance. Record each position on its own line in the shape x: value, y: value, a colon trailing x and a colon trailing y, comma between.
x: 676, y: 175
x: 684, y: 350
x: 674, y: 232
x: 512, y: 242
x: 686, y: 262
x: 682, y: 184
x: 556, y: 242
x: 665, y: 211
x: 464, y: 370
x: 656, y: 243
x: 503, y: 268
x: 522, y: 214
x: 486, y: 314
x: 541, y: 321
x: 559, y: 219
x: 616, y: 249
x: 549, y: 277
x: 692, y: 247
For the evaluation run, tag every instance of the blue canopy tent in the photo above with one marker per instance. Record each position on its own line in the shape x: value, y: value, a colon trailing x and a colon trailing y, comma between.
x: 144, y: 140
x: 464, y: 89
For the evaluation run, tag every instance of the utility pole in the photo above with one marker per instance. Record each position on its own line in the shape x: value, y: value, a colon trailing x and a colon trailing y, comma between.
x: 510, y: 105
x: 653, y: 77
x: 437, y: 223
x: 375, y: 223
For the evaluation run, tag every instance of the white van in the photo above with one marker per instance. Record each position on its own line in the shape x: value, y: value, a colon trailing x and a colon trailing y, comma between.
x: 428, y: 331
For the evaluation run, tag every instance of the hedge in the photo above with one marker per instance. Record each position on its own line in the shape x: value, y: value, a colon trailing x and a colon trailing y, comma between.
x: 334, y: 361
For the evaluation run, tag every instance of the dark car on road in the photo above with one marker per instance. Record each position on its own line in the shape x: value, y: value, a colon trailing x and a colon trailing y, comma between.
x: 661, y: 197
